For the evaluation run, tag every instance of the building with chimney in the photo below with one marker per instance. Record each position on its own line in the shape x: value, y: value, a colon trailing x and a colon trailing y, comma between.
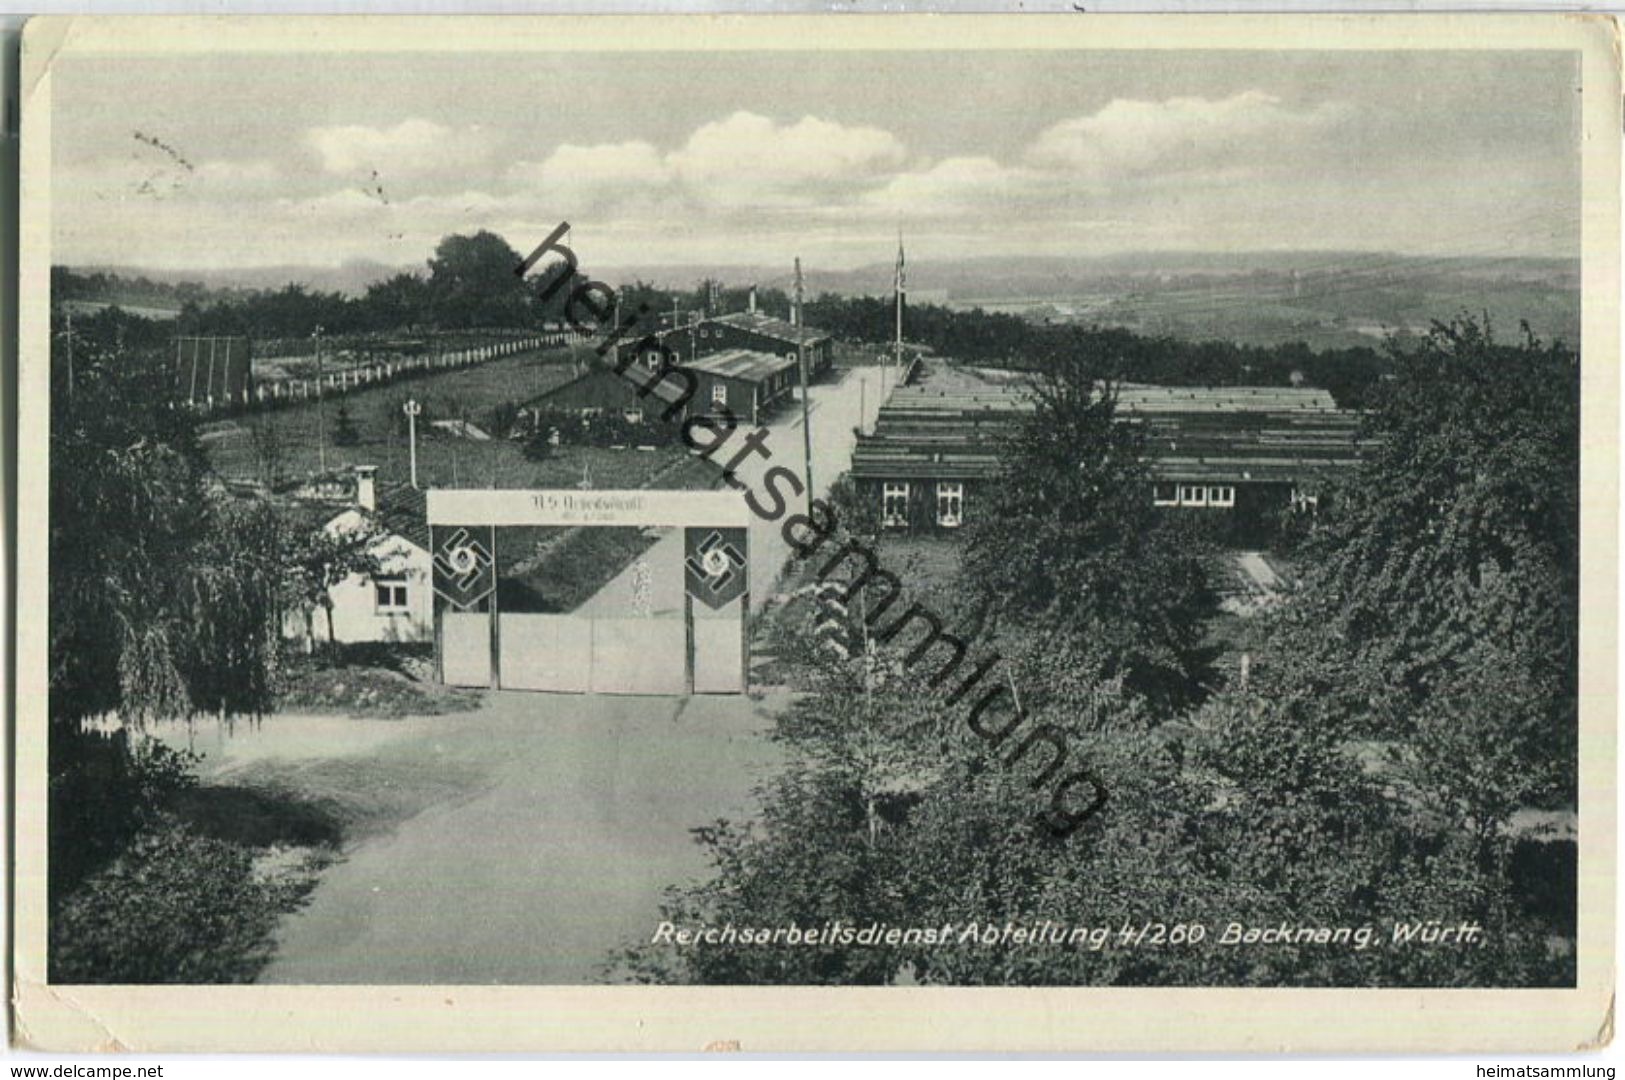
x: 757, y: 332
x: 396, y: 604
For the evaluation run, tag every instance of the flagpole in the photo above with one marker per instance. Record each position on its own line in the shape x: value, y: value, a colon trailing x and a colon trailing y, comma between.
x: 897, y: 345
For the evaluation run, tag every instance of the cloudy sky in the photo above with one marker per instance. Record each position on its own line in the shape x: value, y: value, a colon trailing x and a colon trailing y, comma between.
x: 732, y: 158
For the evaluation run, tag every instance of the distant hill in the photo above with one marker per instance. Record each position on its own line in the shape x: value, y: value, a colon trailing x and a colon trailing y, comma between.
x: 1027, y: 276
x: 350, y: 278
x: 1325, y: 298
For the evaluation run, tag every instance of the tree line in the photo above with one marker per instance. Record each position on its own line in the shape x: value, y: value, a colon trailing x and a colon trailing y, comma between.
x: 468, y: 283
x: 1001, y: 340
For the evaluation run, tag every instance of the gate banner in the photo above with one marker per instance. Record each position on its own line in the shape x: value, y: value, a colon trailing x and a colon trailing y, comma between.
x: 714, y: 565
x: 464, y: 564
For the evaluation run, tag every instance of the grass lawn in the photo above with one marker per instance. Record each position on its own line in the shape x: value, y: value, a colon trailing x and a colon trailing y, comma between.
x: 471, y: 392
x: 444, y: 460
x: 927, y: 566
x: 368, y: 679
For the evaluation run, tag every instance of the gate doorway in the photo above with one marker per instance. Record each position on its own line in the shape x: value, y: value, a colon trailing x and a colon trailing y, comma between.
x: 672, y: 622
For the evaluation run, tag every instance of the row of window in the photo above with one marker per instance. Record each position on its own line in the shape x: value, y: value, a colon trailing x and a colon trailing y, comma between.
x: 950, y: 504
x: 389, y: 595
x: 1221, y: 495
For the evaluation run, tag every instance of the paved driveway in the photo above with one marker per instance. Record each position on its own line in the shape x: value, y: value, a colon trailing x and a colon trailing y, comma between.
x: 557, y: 854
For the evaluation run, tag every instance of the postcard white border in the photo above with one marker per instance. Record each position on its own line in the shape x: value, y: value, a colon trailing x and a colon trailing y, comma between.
x: 449, y: 1019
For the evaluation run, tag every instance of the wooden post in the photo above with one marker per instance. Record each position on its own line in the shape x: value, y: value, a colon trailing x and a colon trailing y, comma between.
x: 496, y: 623
x: 209, y: 385
x: 688, y: 641
x: 744, y: 631
x: 439, y: 643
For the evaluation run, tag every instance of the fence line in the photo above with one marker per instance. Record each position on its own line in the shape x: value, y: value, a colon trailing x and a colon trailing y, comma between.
x: 273, y: 394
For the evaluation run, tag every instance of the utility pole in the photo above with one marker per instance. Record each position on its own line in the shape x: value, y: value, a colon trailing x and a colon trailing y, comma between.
x: 676, y: 314
x: 413, y: 410
x: 321, y: 410
x: 806, y: 409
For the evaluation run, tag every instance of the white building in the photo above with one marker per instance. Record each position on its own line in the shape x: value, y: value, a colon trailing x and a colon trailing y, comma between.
x: 397, y: 604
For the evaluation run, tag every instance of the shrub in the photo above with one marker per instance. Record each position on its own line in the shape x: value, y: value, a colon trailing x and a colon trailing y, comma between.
x: 176, y: 907
x: 345, y: 431
x: 102, y: 792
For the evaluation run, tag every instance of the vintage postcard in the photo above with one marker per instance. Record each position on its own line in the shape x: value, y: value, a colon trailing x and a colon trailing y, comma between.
x: 976, y: 533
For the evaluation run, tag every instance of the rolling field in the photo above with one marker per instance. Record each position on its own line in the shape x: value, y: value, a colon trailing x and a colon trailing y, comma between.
x: 1324, y: 315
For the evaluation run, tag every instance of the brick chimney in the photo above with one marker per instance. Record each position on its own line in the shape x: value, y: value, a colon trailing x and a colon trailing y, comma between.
x: 753, y: 299
x: 366, y: 490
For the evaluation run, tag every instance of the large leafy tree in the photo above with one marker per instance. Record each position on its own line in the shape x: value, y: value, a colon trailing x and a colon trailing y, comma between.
x: 397, y: 302
x: 165, y: 602
x: 1068, y: 538
x: 1449, y: 564
x: 164, y: 598
x: 472, y: 283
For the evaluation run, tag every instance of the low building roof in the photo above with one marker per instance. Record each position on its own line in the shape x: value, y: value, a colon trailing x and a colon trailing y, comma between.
x: 1236, y: 434
x: 768, y: 326
x: 745, y: 364
x: 404, y: 511
x: 638, y: 378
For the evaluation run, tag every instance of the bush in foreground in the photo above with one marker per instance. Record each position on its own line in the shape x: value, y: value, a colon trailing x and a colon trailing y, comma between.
x: 176, y: 907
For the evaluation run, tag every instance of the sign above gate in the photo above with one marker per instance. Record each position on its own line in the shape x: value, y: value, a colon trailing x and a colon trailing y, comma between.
x: 571, y: 506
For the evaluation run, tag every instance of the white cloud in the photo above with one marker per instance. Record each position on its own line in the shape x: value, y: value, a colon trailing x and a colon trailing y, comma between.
x: 748, y: 157
x: 742, y: 162
x: 344, y: 205
x: 958, y: 185
x: 1130, y: 137
x: 585, y: 178
x: 412, y: 148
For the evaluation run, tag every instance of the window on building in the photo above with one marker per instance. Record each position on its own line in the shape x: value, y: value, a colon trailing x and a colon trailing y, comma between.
x: 632, y: 416
x: 719, y: 393
x: 950, y: 504
x: 894, y: 505
x: 651, y: 360
x: 1165, y: 494
x: 389, y: 595
x: 1221, y: 496
x: 1192, y: 495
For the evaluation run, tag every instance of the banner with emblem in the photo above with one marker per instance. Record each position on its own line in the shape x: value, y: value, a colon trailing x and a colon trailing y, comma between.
x: 464, y: 564
x: 714, y: 565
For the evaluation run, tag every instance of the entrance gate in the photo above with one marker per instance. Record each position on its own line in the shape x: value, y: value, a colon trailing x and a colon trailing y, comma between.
x: 672, y: 623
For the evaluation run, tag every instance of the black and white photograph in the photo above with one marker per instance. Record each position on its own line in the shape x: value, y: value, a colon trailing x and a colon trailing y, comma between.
x: 858, y: 506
